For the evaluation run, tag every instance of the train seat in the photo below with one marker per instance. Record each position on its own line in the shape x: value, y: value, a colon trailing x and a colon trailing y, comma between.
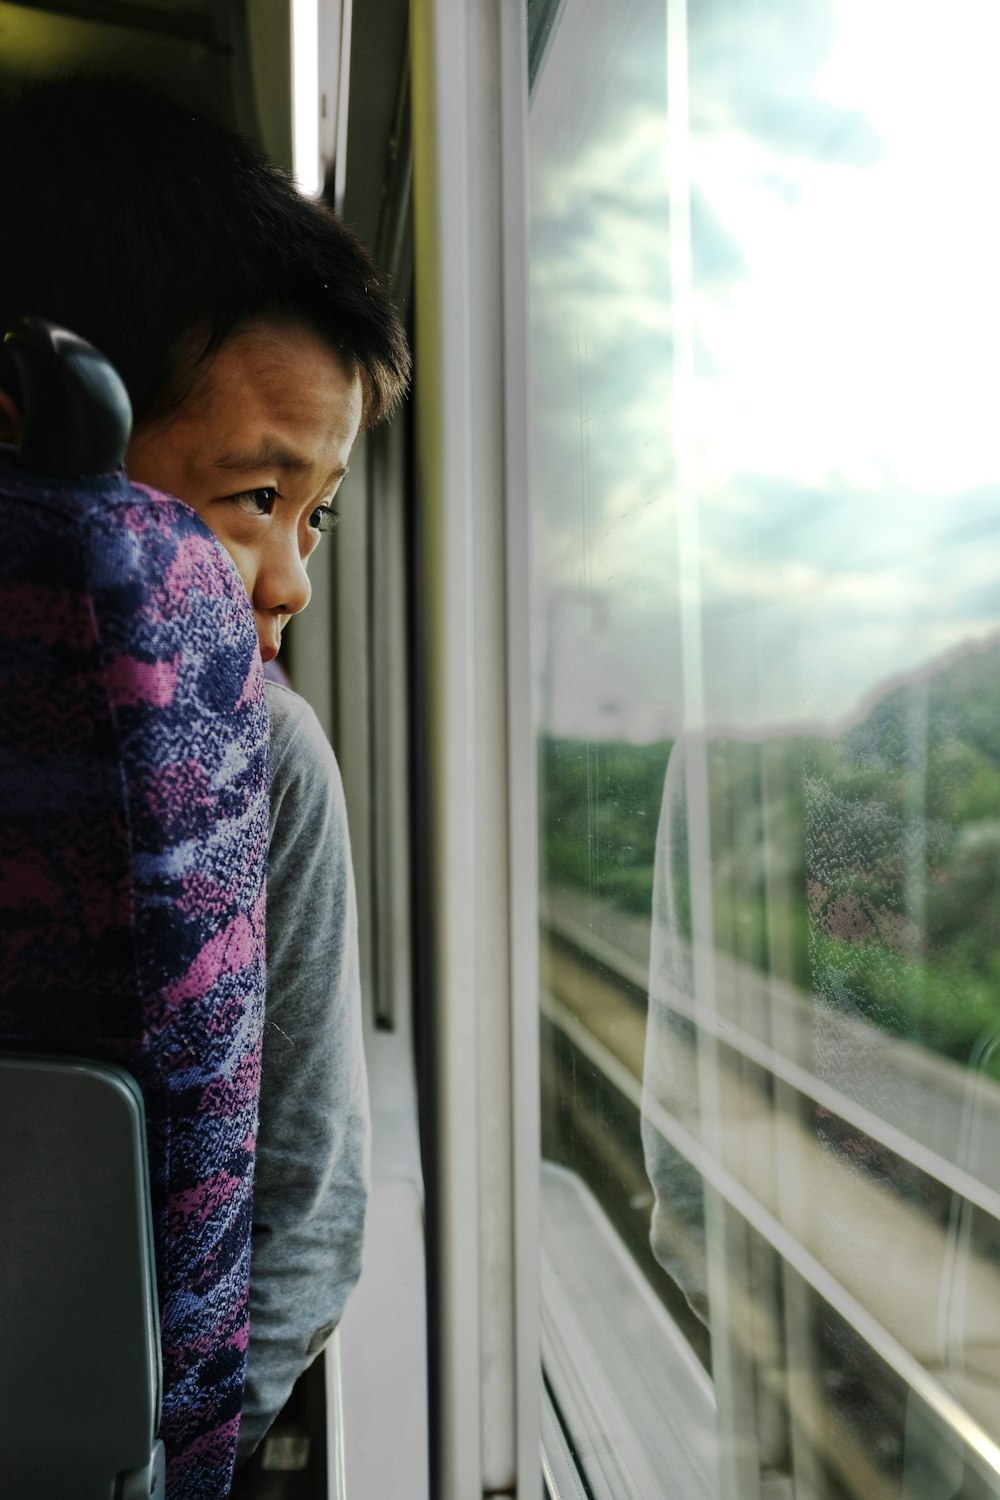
x: 133, y: 836
x: 80, y: 1372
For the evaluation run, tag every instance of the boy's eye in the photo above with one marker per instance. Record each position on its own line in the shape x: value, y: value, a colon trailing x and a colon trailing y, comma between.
x: 259, y: 502
x: 324, y: 518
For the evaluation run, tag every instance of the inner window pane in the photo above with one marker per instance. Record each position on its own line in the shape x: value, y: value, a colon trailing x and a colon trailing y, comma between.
x: 764, y: 480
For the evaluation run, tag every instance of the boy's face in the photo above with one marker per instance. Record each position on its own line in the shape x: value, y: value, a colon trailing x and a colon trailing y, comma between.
x: 258, y: 449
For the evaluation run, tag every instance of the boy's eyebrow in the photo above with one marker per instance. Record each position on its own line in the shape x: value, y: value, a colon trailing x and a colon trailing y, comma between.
x: 269, y: 453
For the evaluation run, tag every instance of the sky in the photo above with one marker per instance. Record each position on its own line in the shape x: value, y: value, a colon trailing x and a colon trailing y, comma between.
x: 845, y: 463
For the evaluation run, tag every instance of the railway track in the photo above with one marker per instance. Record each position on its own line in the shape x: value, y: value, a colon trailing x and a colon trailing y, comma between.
x: 877, y: 1278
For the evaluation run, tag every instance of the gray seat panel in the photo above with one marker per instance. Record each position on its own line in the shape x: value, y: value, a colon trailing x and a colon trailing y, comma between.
x: 79, y: 1349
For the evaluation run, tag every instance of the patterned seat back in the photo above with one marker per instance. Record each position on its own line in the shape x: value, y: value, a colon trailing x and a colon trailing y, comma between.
x: 133, y: 832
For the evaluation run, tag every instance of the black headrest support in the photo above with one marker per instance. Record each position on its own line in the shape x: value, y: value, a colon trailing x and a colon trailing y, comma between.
x: 75, y: 413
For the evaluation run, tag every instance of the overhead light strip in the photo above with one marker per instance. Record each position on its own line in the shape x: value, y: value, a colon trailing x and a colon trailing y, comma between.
x: 305, y: 97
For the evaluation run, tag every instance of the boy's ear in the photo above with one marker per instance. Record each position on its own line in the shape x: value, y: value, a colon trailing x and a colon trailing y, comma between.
x: 10, y: 419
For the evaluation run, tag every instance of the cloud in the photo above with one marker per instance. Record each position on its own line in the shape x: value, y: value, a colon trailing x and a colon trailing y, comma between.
x: 844, y: 250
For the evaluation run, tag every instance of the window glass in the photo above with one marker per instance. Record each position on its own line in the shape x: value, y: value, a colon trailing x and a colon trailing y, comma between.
x: 766, y: 495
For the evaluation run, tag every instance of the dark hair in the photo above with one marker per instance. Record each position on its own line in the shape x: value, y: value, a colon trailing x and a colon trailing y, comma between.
x: 155, y: 234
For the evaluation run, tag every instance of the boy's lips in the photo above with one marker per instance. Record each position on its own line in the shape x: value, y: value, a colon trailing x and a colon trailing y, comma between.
x: 270, y: 637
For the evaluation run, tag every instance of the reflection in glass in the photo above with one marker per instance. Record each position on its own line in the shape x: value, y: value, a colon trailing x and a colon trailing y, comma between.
x: 765, y: 485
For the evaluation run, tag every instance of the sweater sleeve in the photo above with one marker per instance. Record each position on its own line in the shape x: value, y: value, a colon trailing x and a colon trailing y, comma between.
x: 311, y: 1181
x: 670, y: 1079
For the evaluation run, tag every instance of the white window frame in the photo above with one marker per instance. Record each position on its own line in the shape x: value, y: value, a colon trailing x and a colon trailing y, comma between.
x: 470, y: 109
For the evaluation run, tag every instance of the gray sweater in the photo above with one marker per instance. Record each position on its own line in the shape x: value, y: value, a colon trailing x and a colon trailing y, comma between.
x: 311, y: 1183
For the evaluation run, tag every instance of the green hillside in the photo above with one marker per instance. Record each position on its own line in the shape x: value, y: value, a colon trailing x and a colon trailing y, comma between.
x: 865, y: 867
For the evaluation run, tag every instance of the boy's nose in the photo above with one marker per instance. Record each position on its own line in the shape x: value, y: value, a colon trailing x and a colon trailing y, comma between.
x: 282, y: 584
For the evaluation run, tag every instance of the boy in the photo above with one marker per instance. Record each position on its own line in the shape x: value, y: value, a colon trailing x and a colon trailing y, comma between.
x: 255, y: 339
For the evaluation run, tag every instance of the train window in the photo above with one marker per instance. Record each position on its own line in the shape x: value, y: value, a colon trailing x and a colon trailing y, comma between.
x: 764, y: 482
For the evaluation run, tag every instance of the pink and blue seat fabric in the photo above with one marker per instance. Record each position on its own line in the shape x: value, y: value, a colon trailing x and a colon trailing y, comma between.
x: 133, y: 838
